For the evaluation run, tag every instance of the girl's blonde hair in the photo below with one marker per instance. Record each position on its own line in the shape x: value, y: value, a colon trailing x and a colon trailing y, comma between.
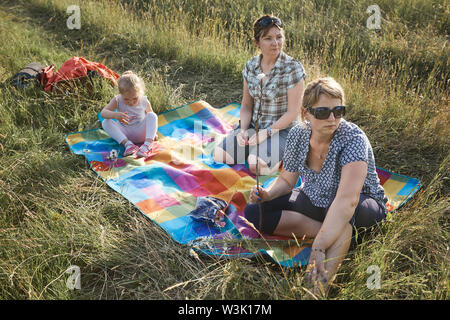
x: 130, y: 81
x: 315, y: 88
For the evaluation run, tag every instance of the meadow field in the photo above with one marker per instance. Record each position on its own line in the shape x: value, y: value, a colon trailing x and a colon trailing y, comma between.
x: 55, y: 212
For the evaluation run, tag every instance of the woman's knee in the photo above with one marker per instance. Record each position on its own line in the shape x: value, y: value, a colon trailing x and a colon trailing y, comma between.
x: 221, y: 156
x: 218, y: 155
x: 265, y: 221
x: 251, y: 213
x: 368, y: 213
x: 263, y: 168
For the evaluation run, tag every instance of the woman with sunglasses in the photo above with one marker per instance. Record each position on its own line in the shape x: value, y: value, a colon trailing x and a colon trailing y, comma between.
x: 340, y: 189
x: 272, y: 91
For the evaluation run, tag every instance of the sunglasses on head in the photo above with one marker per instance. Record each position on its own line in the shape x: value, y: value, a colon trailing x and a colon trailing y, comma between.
x: 323, y: 113
x: 267, y: 21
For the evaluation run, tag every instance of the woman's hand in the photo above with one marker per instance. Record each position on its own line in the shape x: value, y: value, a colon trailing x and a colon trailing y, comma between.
x: 258, y: 195
x: 122, y: 117
x: 242, y: 138
x: 316, y: 275
x: 262, y: 136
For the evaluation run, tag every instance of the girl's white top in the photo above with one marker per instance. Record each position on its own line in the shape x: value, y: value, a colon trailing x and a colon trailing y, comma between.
x: 136, y: 114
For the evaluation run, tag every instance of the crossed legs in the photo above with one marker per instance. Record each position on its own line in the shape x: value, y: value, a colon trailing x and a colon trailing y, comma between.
x: 144, y: 131
x: 222, y: 156
x: 282, y: 218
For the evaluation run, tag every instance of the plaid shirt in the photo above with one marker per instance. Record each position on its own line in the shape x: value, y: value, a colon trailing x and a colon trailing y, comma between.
x: 285, y: 74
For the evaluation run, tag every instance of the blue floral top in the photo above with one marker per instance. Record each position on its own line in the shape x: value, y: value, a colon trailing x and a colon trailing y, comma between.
x: 349, y: 144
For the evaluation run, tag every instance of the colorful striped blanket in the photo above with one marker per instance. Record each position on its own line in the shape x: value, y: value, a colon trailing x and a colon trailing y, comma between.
x: 165, y: 186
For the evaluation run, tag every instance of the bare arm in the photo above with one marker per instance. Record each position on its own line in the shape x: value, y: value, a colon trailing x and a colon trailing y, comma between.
x: 246, y: 107
x: 108, y: 111
x: 284, y: 184
x: 245, y: 115
x: 344, y: 204
x: 295, y: 96
x: 148, y: 107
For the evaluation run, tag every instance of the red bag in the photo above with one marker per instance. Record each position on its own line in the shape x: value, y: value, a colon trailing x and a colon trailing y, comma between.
x: 47, y: 75
x: 74, y: 68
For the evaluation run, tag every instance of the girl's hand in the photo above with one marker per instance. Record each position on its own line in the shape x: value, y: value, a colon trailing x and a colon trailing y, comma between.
x: 258, y: 195
x: 262, y: 136
x: 122, y: 117
x: 242, y: 138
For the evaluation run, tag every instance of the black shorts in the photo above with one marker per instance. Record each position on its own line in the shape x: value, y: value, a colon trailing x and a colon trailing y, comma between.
x: 368, y: 212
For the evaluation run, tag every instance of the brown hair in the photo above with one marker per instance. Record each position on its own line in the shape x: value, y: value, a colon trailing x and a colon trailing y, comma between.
x: 259, y: 31
x: 130, y: 81
x: 315, y: 88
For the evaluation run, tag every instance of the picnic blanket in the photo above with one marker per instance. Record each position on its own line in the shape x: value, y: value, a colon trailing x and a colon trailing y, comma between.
x: 165, y: 185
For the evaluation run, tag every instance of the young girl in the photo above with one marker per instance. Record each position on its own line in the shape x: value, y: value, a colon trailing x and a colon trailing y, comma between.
x: 137, y: 122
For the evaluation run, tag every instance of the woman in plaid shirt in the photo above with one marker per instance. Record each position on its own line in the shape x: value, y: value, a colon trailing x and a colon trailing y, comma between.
x: 273, y: 90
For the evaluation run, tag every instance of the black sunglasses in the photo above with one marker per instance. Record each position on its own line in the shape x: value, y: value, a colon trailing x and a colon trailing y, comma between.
x: 323, y: 113
x: 267, y: 21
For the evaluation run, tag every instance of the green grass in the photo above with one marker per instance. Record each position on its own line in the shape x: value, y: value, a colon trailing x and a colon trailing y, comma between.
x: 56, y: 212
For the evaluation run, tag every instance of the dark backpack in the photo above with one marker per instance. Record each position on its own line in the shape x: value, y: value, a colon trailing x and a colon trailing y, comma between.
x: 29, y: 75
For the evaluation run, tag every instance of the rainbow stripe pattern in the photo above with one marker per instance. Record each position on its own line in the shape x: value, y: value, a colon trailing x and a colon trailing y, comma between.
x: 165, y: 185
